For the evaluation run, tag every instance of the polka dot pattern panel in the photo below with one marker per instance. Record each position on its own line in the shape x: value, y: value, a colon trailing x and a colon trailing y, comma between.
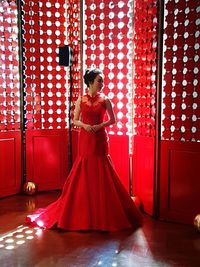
x: 9, y: 67
x: 145, y: 67
x: 108, y: 46
x: 46, y: 83
x: 74, y: 39
x: 181, y: 78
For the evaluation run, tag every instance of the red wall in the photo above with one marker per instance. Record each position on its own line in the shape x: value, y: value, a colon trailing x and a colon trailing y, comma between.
x: 180, y: 150
x: 145, y: 35
x: 10, y: 163
x: 179, y: 180
x: 47, y: 158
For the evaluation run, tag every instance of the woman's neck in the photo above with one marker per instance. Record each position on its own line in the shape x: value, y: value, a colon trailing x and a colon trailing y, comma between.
x: 92, y: 93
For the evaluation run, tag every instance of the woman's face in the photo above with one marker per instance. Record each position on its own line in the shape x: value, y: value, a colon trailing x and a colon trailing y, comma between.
x: 98, y: 83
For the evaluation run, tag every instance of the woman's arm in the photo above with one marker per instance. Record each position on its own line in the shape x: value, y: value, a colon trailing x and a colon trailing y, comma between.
x: 77, y: 113
x: 111, y: 114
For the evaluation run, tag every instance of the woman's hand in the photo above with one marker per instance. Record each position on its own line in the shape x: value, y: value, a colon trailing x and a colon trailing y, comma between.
x: 96, y: 127
x: 92, y: 128
x: 88, y: 128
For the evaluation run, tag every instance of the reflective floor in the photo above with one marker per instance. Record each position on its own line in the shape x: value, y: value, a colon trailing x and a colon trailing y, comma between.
x: 155, y: 244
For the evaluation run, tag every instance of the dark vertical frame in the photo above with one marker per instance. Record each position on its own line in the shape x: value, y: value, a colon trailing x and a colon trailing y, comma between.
x: 156, y: 202
x: 70, y: 120
x: 81, y: 43
x: 22, y: 115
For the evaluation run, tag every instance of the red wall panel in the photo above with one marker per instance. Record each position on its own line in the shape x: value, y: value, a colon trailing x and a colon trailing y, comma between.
x: 145, y: 40
x: 181, y: 112
x: 180, y: 181
x: 48, y: 25
x: 180, y: 147
x: 119, y: 146
x: 9, y: 67
x: 47, y: 158
x: 143, y: 171
x: 10, y: 163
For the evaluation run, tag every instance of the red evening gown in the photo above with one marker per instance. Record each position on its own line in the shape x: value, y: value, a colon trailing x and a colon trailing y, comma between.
x: 93, y: 197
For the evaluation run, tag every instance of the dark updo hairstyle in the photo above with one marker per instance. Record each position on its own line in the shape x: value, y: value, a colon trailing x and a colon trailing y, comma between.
x: 90, y: 76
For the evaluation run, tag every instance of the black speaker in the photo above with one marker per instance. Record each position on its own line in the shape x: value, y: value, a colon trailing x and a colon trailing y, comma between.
x: 65, y: 56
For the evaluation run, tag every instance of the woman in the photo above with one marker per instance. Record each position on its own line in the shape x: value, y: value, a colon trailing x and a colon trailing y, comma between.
x: 93, y: 197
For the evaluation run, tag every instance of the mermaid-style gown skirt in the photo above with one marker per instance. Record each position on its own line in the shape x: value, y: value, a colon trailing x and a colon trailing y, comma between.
x: 93, y: 197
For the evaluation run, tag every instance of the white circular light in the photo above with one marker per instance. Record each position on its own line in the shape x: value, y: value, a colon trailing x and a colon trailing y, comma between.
x: 120, y: 56
x: 120, y: 115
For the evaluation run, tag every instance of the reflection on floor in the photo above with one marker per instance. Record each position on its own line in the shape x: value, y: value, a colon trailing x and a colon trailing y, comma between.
x: 155, y: 244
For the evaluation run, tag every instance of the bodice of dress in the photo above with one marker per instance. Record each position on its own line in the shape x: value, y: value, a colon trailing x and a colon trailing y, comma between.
x: 92, y: 112
x: 93, y: 109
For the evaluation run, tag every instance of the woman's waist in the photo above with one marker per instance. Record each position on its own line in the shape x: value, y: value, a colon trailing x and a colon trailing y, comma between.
x: 92, y: 122
x: 101, y: 131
